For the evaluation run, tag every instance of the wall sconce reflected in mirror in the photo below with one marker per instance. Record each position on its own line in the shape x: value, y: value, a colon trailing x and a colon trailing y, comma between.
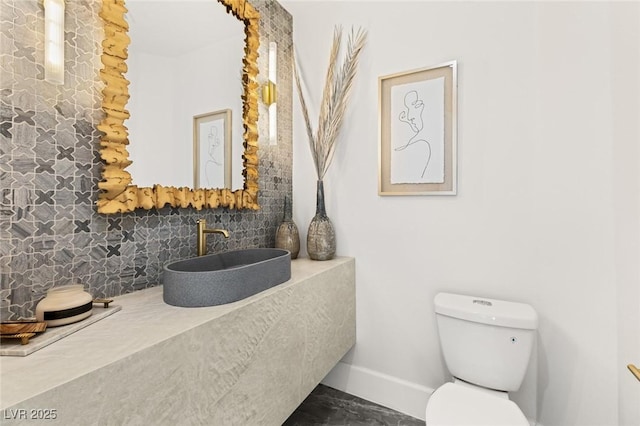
x: 269, y: 93
x: 54, y: 41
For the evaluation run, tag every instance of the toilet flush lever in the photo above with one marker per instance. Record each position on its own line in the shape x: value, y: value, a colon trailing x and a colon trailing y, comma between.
x: 634, y: 370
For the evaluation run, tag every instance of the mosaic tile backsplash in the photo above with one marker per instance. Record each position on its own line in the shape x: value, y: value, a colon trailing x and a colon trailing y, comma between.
x: 50, y: 232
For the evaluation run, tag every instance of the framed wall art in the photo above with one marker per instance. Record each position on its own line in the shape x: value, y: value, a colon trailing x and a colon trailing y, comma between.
x: 417, y: 131
x: 212, y: 149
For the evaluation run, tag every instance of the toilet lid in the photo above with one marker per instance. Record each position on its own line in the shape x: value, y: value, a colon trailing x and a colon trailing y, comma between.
x: 456, y: 405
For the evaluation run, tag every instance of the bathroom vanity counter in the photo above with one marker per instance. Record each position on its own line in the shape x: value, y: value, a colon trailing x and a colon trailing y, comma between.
x: 248, y: 362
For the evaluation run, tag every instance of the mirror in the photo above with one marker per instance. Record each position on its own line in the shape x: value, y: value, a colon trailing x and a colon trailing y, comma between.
x: 186, y: 94
x: 120, y: 192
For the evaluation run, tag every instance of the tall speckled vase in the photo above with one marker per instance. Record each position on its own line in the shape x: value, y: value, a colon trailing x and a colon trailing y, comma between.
x: 321, y: 238
x: 287, y: 235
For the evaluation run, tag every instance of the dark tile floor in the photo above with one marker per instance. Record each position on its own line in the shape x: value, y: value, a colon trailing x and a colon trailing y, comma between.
x: 326, y: 406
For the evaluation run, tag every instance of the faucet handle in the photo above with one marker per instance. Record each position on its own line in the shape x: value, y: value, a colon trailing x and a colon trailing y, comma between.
x: 202, y: 236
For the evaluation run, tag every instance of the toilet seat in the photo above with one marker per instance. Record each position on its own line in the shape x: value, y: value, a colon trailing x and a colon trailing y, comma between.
x: 457, y: 405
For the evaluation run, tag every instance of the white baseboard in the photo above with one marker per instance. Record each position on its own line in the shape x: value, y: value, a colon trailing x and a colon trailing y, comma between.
x: 400, y: 395
x: 388, y: 391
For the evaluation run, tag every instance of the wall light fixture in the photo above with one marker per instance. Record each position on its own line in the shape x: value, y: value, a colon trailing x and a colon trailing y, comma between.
x: 269, y: 93
x: 54, y: 41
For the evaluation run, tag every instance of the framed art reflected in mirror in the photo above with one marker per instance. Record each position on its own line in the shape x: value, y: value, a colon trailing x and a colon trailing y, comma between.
x: 212, y: 150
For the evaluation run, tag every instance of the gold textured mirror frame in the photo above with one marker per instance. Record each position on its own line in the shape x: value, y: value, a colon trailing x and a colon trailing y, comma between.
x: 117, y: 194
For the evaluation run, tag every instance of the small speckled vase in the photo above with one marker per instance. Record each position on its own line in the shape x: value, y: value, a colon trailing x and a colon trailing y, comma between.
x: 287, y: 235
x: 321, y: 238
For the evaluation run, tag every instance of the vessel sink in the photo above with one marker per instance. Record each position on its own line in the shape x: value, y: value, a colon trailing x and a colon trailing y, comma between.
x: 220, y: 278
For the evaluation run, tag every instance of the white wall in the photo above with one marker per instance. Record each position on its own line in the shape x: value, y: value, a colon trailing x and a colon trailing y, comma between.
x: 545, y: 128
x: 151, y: 125
x: 625, y: 58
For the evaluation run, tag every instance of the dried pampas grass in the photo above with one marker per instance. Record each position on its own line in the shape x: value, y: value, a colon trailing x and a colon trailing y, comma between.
x: 334, y: 98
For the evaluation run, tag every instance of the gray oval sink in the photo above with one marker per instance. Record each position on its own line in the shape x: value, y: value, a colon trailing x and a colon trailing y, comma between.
x: 227, y: 277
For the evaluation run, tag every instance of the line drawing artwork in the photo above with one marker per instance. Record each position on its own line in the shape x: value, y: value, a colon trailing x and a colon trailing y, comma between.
x: 417, y: 132
x: 211, y: 150
x: 412, y: 116
x: 212, y: 165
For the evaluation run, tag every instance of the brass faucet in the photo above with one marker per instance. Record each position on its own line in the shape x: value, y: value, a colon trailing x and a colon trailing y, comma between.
x: 202, y: 236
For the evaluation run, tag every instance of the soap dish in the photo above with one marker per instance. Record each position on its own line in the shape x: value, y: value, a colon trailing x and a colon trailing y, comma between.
x: 21, y: 330
x: 24, y: 337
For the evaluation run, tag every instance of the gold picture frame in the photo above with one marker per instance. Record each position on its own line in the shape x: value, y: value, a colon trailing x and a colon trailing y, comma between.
x: 212, y: 149
x: 417, y: 131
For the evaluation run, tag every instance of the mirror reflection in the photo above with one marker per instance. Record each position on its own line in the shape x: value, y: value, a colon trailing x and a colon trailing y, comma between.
x: 185, y: 69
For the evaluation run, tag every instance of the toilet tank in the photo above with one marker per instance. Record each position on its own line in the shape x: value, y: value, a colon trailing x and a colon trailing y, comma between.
x: 486, y: 342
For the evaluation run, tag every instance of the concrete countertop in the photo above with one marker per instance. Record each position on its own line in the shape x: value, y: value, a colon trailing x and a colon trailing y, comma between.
x: 144, y: 321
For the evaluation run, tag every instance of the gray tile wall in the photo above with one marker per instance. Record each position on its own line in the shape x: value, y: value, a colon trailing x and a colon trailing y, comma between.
x: 50, y: 232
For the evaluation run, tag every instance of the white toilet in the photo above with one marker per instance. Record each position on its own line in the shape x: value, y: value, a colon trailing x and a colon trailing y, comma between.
x: 486, y: 345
